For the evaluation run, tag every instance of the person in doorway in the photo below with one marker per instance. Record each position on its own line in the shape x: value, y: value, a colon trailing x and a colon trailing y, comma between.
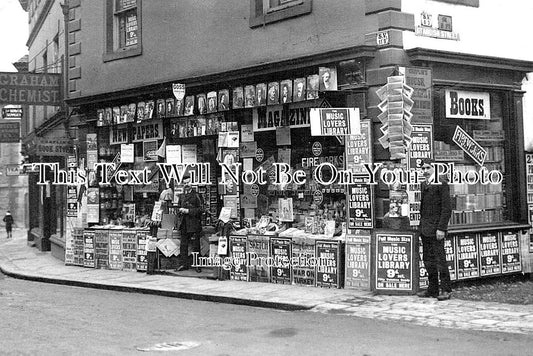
x: 8, y: 219
x: 435, y: 212
x: 190, y: 208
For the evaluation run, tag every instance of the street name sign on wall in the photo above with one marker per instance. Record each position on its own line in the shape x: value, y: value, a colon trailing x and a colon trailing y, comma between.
x: 30, y: 88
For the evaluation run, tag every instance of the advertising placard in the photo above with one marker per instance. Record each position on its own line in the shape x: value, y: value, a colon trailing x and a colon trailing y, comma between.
x: 115, y: 249
x: 421, y: 145
x: 238, y: 255
x: 489, y: 254
x: 467, y: 256
x: 357, y: 264
x: 129, y: 250
x: 9, y: 132
x: 423, y: 280
x: 101, y: 243
x: 303, y: 251
x: 142, y: 260
x: 257, y: 247
x: 328, y: 260
x: 77, y: 247
x: 358, y: 149
x: 335, y: 121
x: 394, y: 257
x: 88, y: 249
x: 449, y: 250
x: 420, y: 79
x: 510, y: 250
x: 360, y: 206
x: 529, y: 178
x: 280, y: 251
x: 69, y: 248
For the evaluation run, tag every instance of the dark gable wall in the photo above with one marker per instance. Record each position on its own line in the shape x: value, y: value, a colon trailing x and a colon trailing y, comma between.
x: 189, y: 38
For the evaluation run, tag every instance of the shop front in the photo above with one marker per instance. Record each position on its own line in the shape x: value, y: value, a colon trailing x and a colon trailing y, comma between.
x: 314, y: 169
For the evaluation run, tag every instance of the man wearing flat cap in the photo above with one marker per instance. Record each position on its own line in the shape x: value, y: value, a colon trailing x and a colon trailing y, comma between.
x: 435, y: 212
x: 190, y: 208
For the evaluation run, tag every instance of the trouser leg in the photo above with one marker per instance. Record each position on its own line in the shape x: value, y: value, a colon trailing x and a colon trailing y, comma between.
x: 442, y: 266
x: 429, y: 259
x: 184, y: 248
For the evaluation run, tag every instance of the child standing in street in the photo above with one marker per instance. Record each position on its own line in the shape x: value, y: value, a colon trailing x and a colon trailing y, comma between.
x: 8, y: 219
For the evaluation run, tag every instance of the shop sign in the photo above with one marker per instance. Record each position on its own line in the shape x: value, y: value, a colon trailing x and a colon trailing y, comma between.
x: 303, y: 251
x: 101, y: 248
x: 357, y: 259
x: 489, y: 254
x: 316, y: 148
x: 360, y: 207
x: 510, y: 250
x: 257, y: 247
x: 359, y: 150
x: 53, y: 146
x: 12, y: 113
x: 451, y: 260
x: 280, y: 251
x: 278, y: 116
x: 467, y: 257
x: 238, y: 254
x: 394, y: 256
x: 9, y: 132
x: 448, y: 155
x: 471, y: 147
x: 88, y: 249
x: 420, y: 79
x: 149, y: 130
x: 335, y: 121
x: 467, y: 105
x: 488, y: 135
x: 30, y: 88
x: 327, y: 269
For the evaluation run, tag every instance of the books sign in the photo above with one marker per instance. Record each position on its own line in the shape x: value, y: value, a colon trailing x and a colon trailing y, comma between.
x: 467, y: 105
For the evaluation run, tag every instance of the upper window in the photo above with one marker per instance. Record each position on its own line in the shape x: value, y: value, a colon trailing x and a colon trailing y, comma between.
x: 263, y: 12
x: 123, y: 29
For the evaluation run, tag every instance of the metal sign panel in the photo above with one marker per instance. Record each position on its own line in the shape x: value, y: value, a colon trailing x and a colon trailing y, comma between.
x: 9, y: 132
x: 30, y: 88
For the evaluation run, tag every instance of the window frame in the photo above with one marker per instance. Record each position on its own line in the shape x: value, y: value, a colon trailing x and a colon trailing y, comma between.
x: 262, y: 13
x: 112, y: 42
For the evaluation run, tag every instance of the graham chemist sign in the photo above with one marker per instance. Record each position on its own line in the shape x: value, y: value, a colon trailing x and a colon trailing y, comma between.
x: 30, y: 88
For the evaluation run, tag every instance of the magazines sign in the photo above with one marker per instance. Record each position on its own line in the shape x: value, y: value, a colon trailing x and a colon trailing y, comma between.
x: 335, y: 121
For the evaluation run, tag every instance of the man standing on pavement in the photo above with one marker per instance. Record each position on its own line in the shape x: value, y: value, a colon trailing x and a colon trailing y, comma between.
x: 190, y: 223
x: 435, y: 212
x: 8, y: 219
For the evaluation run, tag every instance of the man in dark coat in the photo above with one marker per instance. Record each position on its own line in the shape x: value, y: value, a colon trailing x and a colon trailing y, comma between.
x: 435, y: 212
x: 190, y: 207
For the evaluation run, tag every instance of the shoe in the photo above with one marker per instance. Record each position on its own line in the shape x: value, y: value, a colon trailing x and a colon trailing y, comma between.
x: 182, y: 268
x: 425, y: 294
x: 444, y: 296
x: 198, y: 270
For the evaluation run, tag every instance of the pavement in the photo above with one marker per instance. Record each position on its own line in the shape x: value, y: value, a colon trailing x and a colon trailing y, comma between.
x: 19, y: 260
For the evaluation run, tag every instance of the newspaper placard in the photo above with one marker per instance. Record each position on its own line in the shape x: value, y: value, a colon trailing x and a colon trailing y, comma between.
x: 280, y: 251
x: 394, y: 269
x: 303, y: 251
x: 115, y: 249
x: 129, y: 250
x: 88, y: 249
x: 467, y: 256
x: 142, y: 240
x: 489, y: 254
x: 328, y: 264
x: 101, y: 239
x: 510, y: 251
x: 257, y: 247
x: 238, y: 254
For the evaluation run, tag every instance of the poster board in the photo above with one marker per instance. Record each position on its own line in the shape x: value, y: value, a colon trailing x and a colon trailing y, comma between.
x: 238, y: 254
x: 77, y: 247
x: 510, y: 251
x: 101, y: 240
x: 357, y: 262
x: 115, y: 249
x: 303, y: 251
x: 329, y: 271
x: 129, y: 250
x: 467, y: 256
x: 257, y: 247
x: 280, y: 251
x: 396, y: 260
x: 88, y: 249
x: 489, y: 254
x: 142, y: 259
x: 451, y: 257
